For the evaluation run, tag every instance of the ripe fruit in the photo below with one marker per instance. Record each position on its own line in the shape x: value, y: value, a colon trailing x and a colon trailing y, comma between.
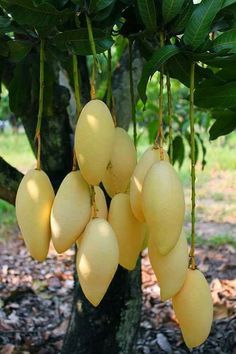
x: 163, y: 205
x: 71, y: 211
x: 93, y: 140
x: 149, y: 157
x: 194, y: 309
x: 129, y: 231
x: 33, y: 206
x: 101, y: 205
x: 97, y: 259
x: 170, y: 270
x: 121, y: 165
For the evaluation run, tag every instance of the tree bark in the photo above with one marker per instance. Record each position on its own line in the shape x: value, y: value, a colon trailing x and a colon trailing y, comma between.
x: 10, y: 178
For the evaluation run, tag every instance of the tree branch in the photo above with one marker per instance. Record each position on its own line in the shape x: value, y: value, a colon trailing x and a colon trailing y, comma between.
x: 10, y: 178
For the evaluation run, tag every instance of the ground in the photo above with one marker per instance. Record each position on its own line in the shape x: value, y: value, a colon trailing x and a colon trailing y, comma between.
x: 35, y: 297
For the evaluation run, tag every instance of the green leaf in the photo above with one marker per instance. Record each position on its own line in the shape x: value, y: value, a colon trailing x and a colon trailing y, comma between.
x: 18, y: 49
x: 181, y: 21
x: 77, y: 41
x: 228, y: 3
x: 226, y: 40
x: 4, y: 22
x: 159, y: 57
x: 223, y: 96
x: 199, y: 24
x: 147, y: 12
x: 3, y: 48
x: 224, y: 125
x: 228, y: 73
x: 179, y: 68
x: 178, y: 150
x: 98, y: 5
x: 19, y: 89
x: 171, y: 8
x: 26, y: 13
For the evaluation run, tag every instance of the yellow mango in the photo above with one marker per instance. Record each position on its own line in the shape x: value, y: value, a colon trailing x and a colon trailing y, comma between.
x: 97, y: 259
x: 121, y: 165
x: 71, y: 211
x: 101, y: 205
x: 170, y: 270
x: 129, y: 231
x: 149, y: 157
x: 33, y: 207
x: 163, y: 205
x: 93, y: 140
x: 194, y: 308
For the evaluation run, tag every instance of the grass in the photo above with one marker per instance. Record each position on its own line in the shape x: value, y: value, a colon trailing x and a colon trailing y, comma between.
x: 217, y: 240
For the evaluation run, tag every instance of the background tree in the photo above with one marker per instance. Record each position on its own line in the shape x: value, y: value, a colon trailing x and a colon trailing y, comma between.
x: 161, y: 35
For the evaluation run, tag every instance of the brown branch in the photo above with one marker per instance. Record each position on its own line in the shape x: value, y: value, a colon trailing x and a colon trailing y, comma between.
x: 10, y: 178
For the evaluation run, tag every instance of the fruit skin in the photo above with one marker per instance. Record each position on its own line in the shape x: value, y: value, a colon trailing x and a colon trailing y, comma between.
x: 97, y: 259
x: 122, y: 163
x: 129, y: 231
x: 33, y: 207
x: 93, y: 140
x: 71, y: 211
x: 194, y: 308
x: 146, y: 239
x: 163, y: 205
x: 101, y: 205
x: 150, y: 156
x: 170, y: 270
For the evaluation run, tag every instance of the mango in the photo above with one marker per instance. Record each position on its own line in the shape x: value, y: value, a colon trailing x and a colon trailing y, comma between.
x: 93, y: 140
x: 33, y: 207
x: 170, y: 270
x: 150, y: 156
x: 97, y: 259
x: 129, y: 231
x: 71, y: 211
x: 163, y: 205
x: 146, y: 239
x: 194, y: 308
x: 121, y: 165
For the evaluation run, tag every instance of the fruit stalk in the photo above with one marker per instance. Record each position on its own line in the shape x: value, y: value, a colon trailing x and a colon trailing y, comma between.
x: 92, y: 44
x: 40, y: 110
x: 109, y: 83
x: 170, y: 114
x: 131, y: 83
x: 193, y: 175
x: 76, y: 85
x: 160, y: 135
x: 93, y: 202
x: 77, y: 99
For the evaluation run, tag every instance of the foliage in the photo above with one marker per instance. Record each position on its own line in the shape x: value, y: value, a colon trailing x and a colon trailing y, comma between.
x: 203, y: 33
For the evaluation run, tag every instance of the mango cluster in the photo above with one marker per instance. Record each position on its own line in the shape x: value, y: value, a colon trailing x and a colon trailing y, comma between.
x: 147, y: 208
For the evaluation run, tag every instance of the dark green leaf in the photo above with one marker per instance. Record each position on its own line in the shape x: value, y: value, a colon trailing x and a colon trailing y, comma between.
x: 199, y: 24
x: 223, y: 96
x: 147, y: 12
x: 26, y: 13
x: 181, y: 21
x: 228, y: 3
x: 159, y: 57
x: 179, y: 68
x: 3, y: 49
x: 18, y: 49
x: 98, y: 5
x: 77, y: 41
x: 171, y: 8
x: 19, y: 89
x: 228, y: 73
x: 178, y: 150
x: 226, y: 40
x: 4, y: 22
x: 223, y: 126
